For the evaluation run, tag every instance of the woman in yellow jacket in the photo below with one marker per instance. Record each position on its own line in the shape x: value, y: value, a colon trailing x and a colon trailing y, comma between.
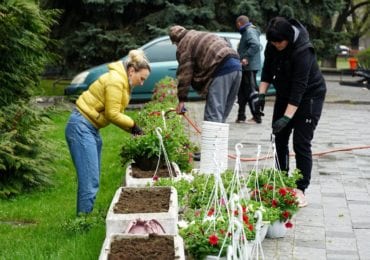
x: 102, y: 104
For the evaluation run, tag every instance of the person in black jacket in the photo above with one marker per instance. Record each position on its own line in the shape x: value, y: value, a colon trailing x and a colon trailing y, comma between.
x: 291, y: 66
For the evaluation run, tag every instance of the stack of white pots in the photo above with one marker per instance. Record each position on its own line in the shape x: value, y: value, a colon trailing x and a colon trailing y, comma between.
x: 214, y: 147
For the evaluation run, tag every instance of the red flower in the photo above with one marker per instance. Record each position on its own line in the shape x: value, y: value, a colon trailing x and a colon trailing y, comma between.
x: 245, y: 219
x: 250, y: 227
x: 211, y: 212
x: 155, y: 178
x: 236, y: 212
x: 213, y: 239
x: 282, y: 191
x: 244, y: 209
x: 286, y: 214
x: 289, y: 224
x: 274, y: 203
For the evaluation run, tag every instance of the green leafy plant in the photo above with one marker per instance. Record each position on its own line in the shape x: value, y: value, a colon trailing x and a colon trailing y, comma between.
x: 275, y: 190
x: 210, y: 232
x: 165, y: 90
x: 160, y: 114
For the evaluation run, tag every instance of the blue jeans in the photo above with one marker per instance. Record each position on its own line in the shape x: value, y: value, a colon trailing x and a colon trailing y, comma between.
x: 85, y: 146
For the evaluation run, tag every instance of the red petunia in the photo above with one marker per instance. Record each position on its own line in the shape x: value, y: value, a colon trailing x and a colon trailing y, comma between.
x: 245, y: 219
x: 211, y: 212
x: 155, y: 178
x: 250, y: 227
x: 286, y: 214
x: 282, y: 191
x: 213, y: 239
x: 289, y: 224
x: 274, y: 203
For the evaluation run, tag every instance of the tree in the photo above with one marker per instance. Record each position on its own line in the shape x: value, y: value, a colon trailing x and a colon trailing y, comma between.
x: 355, y: 19
x: 24, y: 39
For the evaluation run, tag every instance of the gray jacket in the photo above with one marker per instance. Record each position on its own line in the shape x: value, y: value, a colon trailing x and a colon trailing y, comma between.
x: 250, y: 47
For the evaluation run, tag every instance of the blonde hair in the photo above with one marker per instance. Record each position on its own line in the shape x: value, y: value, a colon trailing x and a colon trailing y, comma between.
x: 137, y: 60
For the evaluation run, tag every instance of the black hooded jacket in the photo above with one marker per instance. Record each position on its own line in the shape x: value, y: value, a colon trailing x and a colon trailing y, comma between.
x: 294, y: 71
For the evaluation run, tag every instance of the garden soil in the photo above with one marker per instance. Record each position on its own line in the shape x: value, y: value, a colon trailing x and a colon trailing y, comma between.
x: 143, y: 200
x: 156, y: 247
x: 162, y: 172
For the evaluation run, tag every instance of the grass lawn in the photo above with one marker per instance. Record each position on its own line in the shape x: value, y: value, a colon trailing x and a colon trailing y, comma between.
x: 42, y: 224
x: 51, y: 87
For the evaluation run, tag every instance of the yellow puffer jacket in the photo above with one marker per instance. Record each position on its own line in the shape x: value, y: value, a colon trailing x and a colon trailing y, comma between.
x: 105, y: 100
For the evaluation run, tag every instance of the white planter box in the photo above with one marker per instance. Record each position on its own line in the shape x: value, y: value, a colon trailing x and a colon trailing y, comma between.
x: 118, y: 223
x: 179, y: 245
x: 131, y: 181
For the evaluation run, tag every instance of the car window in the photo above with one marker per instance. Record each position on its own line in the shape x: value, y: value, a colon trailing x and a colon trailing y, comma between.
x: 161, y: 51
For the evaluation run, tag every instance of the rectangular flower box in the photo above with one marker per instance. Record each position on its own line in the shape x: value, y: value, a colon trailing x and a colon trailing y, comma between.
x: 168, y: 218
x: 131, y: 181
x: 178, y: 246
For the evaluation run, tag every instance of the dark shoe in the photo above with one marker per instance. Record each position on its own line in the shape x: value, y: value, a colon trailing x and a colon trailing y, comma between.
x: 254, y: 121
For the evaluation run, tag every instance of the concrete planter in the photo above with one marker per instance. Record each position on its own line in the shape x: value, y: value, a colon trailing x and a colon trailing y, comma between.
x: 178, y: 245
x: 118, y: 223
x: 131, y: 181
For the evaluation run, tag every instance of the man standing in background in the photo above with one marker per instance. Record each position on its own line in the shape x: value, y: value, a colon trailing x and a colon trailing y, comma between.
x: 250, y: 57
x: 209, y: 65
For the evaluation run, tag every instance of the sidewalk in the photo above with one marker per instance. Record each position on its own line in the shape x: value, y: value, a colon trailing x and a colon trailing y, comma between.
x: 336, y: 223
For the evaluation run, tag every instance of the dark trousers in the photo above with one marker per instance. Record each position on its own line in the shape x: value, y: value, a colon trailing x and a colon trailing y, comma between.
x: 248, y: 94
x: 303, y: 125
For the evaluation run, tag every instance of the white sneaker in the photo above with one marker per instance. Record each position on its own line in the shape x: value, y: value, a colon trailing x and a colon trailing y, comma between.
x: 302, y: 201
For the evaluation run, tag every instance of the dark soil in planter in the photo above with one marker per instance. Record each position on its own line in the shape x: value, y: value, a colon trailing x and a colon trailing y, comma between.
x: 148, y: 163
x: 153, y: 248
x: 137, y: 172
x: 143, y: 200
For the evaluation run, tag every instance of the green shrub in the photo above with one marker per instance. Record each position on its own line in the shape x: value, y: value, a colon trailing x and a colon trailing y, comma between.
x: 25, y: 159
x: 364, y: 58
x: 24, y: 40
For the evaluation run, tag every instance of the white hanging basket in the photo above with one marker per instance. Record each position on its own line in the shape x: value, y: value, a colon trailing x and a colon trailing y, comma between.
x: 277, y: 229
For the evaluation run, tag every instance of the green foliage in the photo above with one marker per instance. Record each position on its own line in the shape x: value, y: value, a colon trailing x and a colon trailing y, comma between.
x: 92, y: 45
x: 275, y: 189
x: 23, y: 47
x: 165, y: 90
x: 364, y: 58
x: 25, y: 158
x: 152, y: 117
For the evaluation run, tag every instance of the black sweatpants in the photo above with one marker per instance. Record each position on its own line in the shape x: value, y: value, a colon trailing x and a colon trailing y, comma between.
x: 303, y: 125
x: 248, y: 94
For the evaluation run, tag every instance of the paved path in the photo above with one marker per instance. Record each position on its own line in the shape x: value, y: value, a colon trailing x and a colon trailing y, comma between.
x: 336, y: 223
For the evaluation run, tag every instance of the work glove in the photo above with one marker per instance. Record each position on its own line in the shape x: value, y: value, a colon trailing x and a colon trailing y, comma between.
x: 260, y: 104
x: 135, y: 130
x: 279, y: 124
